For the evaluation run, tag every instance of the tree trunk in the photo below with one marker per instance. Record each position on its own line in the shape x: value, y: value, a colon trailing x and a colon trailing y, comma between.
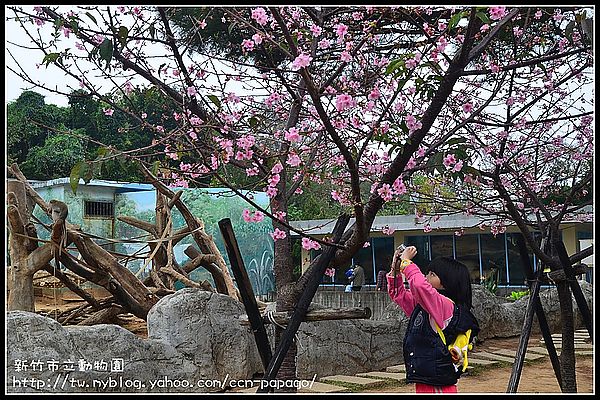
x: 567, y: 355
x: 287, y: 371
x: 20, y: 289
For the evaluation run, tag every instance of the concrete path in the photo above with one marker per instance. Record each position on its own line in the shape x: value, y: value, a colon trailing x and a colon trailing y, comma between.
x: 397, y: 373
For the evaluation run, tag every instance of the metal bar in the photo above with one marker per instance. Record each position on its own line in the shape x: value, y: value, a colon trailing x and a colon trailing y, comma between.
x: 246, y: 292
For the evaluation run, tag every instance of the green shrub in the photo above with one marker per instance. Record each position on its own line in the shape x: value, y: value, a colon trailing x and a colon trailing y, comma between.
x: 516, y: 295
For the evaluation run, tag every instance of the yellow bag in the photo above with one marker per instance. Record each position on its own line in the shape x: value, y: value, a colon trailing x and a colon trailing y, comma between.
x: 459, y: 348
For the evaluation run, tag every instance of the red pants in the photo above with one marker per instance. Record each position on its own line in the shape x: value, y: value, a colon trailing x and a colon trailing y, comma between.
x: 423, y: 388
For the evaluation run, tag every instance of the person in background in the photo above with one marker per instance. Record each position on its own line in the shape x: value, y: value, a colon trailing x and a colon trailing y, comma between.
x: 381, y: 281
x: 357, y: 278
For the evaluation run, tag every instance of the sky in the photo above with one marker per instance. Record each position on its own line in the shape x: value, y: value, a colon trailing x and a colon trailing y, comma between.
x: 27, y: 59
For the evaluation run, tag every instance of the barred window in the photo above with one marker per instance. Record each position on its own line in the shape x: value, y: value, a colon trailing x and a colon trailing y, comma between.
x: 98, y: 209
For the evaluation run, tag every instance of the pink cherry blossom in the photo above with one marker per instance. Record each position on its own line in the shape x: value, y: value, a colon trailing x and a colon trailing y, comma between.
x: 271, y: 191
x: 324, y: 44
x: 258, y: 216
x: 374, y: 95
x: 458, y: 166
x: 246, y: 215
x: 247, y: 45
x: 257, y: 38
x: 387, y: 230
x: 302, y: 61
x: 449, y: 160
x: 399, y: 186
x: 277, y: 168
x: 341, y: 30
x: 278, y: 234
x: 108, y: 111
x: 343, y: 102
x: 252, y: 171
x: 274, y: 180
x: 191, y: 91
x: 293, y: 160
x: 412, y: 123
x: 260, y: 16
x: 316, y: 30
x: 308, y: 244
x: 385, y: 192
x: 497, y: 13
x: 292, y: 135
x: 345, y: 56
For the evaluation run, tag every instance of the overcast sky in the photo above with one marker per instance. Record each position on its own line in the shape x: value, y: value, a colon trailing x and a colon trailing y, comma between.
x: 14, y: 85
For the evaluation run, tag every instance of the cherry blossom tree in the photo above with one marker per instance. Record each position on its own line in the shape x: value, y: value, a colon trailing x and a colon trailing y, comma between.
x: 365, y: 98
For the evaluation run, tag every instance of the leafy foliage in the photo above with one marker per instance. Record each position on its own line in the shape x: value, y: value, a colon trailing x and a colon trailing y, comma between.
x: 490, y: 282
x: 516, y: 295
x: 55, y: 158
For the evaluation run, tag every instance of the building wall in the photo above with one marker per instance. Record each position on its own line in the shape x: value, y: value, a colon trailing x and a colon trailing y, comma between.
x: 510, y: 277
x: 103, y: 227
x: 99, y: 226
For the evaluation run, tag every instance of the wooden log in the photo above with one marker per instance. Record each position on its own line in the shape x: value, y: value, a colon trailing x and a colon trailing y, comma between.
x: 534, y: 305
x: 105, y: 316
x: 208, y: 261
x: 14, y: 169
x: 186, y: 281
x: 246, y: 291
x: 18, y: 189
x: 204, y: 241
x: 325, y: 314
x: 72, y: 285
x: 174, y: 199
x: 559, y: 275
x: 143, y: 225
x: 123, y: 284
x: 582, y: 304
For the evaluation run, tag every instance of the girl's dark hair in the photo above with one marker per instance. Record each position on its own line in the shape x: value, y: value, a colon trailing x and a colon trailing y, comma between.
x: 455, y: 278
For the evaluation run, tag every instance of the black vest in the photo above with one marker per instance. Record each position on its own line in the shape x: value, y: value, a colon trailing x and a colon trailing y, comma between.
x: 426, y: 357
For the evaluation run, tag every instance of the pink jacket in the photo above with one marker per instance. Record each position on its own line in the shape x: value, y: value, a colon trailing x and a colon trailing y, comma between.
x: 439, y: 307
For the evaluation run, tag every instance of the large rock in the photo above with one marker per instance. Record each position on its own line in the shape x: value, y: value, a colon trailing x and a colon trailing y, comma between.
x: 345, y: 346
x: 348, y: 347
x: 195, y: 341
x: 499, y: 317
x: 205, y: 327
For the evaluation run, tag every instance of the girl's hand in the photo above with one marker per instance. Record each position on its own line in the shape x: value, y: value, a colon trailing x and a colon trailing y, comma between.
x: 408, y: 253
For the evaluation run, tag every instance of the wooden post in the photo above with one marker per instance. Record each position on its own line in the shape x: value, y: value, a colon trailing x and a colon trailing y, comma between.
x: 245, y: 290
x: 534, y: 304
x: 321, y: 263
x: 575, y: 288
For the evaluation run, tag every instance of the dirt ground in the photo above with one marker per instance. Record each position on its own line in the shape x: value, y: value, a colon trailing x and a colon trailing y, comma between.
x: 536, y: 377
